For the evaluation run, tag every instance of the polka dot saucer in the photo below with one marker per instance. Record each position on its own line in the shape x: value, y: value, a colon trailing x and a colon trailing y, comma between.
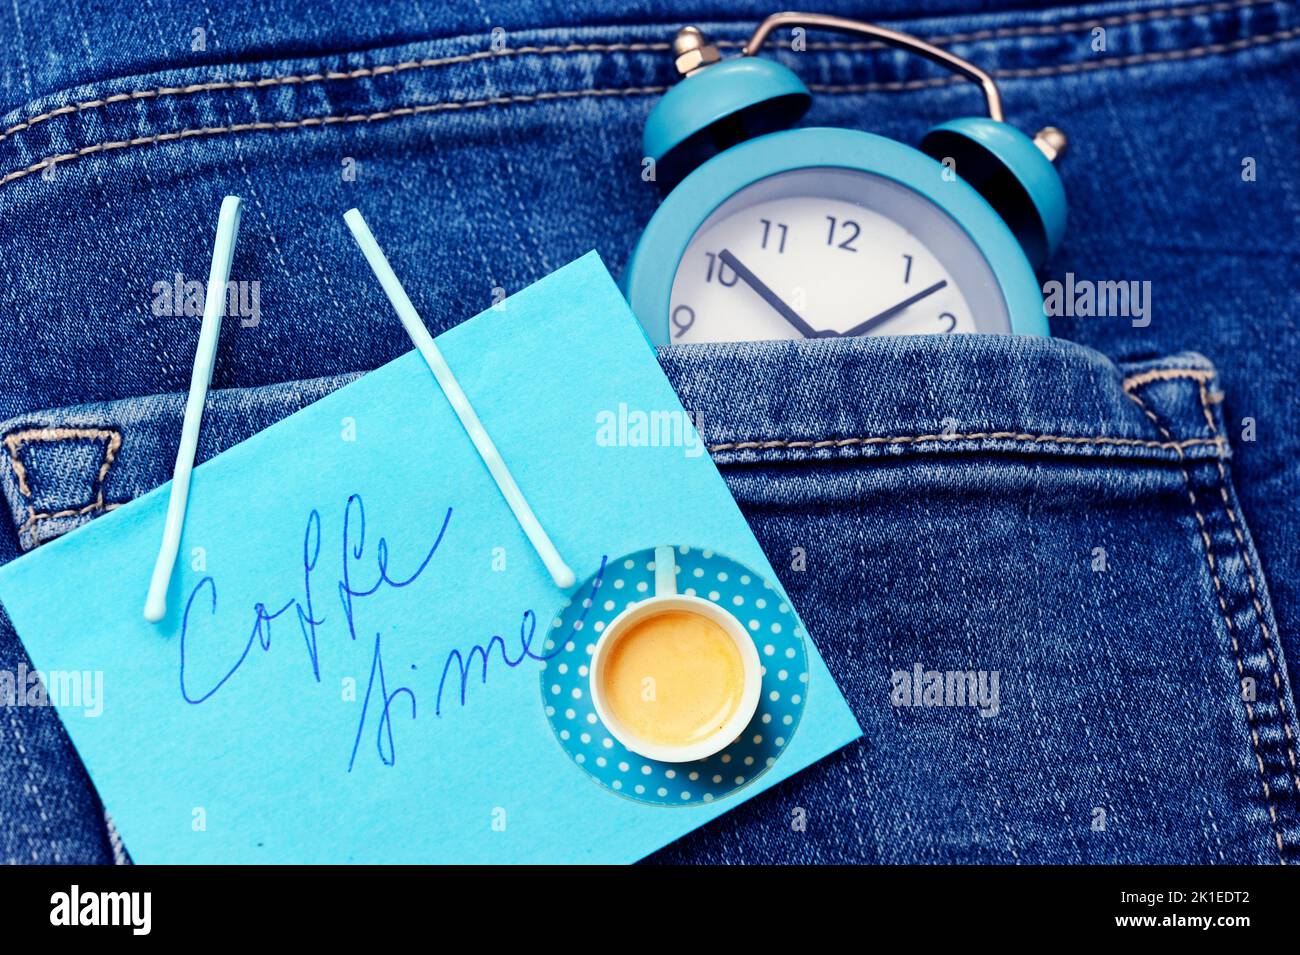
x: 755, y: 601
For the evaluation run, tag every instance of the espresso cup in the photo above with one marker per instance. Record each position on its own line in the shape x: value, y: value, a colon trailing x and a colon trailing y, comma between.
x: 675, y: 678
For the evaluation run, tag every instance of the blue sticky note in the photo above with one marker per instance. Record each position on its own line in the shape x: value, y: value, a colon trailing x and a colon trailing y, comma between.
x: 344, y: 674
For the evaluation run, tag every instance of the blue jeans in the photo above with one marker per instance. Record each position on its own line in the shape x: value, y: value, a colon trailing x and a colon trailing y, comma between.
x: 1101, y: 526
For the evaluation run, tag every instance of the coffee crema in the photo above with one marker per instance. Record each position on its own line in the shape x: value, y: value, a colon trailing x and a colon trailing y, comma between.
x: 674, y: 678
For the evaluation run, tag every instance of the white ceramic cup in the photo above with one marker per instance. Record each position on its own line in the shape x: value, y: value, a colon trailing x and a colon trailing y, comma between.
x: 667, y: 598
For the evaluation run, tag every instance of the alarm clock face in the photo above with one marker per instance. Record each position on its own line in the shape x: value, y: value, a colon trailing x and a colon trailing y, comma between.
x: 823, y: 252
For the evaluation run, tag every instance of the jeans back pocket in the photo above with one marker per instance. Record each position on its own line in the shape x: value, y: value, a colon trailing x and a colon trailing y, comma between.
x: 1026, y: 567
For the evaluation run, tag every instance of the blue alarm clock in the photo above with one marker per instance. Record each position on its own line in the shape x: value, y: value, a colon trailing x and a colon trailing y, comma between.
x: 771, y: 232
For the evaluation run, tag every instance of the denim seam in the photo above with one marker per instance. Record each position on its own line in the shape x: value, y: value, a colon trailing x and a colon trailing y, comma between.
x: 1208, y: 547
x: 14, y: 441
x: 1265, y: 633
x: 333, y: 120
x: 1162, y: 15
x: 366, y: 72
x: 1020, y: 436
x: 115, y: 841
x: 1026, y: 73
x: 29, y: 525
x: 35, y: 785
x: 1049, y: 29
x: 446, y: 105
x: 1166, y: 374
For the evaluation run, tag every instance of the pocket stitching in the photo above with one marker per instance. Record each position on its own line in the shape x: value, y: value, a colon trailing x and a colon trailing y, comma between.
x: 1218, y: 591
x: 332, y: 119
x: 112, y: 443
x: 1265, y: 633
x: 1020, y: 436
x: 1165, y: 374
x: 365, y: 72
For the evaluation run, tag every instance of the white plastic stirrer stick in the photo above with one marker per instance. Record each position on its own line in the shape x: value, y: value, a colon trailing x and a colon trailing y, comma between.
x: 214, y: 306
x: 424, y: 343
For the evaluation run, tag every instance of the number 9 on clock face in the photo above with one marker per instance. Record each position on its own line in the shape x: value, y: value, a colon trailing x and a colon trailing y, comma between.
x: 827, y: 252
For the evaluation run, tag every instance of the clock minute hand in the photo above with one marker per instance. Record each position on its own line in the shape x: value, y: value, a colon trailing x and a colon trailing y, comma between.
x: 767, y: 295
x: 887, y: 314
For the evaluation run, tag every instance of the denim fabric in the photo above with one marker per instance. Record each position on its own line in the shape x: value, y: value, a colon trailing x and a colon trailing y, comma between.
x: 1025, y: 507
x: 1119, y: 688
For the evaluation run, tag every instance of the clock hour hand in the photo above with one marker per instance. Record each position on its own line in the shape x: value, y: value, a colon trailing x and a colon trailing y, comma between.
x: 887, y: 314
x: 767, y: 295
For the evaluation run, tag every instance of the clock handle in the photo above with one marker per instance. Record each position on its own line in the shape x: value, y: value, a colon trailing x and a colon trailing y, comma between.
x: 888, y: 37
x: 1013, y: 172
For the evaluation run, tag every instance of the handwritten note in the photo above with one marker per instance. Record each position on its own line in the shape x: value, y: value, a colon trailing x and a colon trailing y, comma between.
x: 349, y: 668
